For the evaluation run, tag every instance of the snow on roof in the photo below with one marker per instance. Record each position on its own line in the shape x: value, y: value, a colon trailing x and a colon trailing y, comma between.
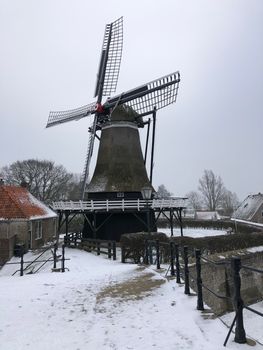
x: 249, y: 207
x: 19, y: 203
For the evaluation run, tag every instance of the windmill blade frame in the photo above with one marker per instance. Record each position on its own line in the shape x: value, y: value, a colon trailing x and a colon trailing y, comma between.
x: 85, y: 174
x: 111, y: 54
x: 61, y: 117
x: 156, y: 94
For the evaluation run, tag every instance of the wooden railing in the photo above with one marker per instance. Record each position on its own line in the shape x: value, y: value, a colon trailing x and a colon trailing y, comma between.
x: 122, y: 204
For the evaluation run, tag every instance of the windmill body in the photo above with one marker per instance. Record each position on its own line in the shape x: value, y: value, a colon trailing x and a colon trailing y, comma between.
x: 120, y: 171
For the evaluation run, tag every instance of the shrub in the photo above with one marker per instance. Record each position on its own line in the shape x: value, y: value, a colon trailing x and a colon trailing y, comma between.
x: 133, y: 244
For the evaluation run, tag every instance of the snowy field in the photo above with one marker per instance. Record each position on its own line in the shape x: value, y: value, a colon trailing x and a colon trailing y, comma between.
x: 192, y: 232
x: 103, y: 304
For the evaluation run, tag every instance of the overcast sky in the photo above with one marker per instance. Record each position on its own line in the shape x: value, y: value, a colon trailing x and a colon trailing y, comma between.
x: 50, y: 52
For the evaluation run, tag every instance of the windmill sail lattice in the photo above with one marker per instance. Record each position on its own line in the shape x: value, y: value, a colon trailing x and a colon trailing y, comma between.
x: 157, y: 94
x: 85, y: 174
x: 61, y: 117
x: 110, y: 61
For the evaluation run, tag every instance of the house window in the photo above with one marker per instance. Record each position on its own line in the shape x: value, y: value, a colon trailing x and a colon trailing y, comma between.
x: 38, y: 228
x: 55, y: 227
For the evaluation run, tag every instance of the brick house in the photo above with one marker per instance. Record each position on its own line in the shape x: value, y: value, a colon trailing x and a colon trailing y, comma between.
x: 23, y: 220
x: 251, y: 209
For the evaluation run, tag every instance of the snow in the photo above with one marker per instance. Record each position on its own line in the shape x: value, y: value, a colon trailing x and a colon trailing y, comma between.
x: 49, y: 213
x: 255, y: 249
x: 193, y: 232
x: 103, y: 304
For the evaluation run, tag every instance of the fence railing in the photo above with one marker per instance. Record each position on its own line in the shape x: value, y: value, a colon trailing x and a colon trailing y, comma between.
x: 178, y: 260
x: 33, y: 266
x: 99, y: 246
x: 122, y: 204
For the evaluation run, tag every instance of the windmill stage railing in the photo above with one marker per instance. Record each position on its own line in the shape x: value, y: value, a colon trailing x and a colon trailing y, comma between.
x: 123, y: 204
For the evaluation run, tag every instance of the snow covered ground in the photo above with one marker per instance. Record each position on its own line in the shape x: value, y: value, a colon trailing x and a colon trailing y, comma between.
x: 192, y: 232
x: 103, y: 304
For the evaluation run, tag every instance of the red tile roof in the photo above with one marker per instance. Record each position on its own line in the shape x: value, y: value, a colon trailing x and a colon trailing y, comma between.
x: 18, y: 202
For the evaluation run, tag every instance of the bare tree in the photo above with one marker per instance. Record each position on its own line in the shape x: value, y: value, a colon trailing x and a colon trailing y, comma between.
x: 212, y: 189
x: 162, y: 192
x: 194, y: 199
x: 229, y: 202
x: 45, y: 180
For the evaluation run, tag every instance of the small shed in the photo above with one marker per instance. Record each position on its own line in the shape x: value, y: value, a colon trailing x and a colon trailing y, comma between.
x: 251, y: 209
x: 24, y: 220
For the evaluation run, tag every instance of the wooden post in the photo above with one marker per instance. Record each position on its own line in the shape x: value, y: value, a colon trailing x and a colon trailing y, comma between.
x: 186, y: 271
x: 63, y: 259
x: 172, y: 258
x: 22, y: 264
x: 98, y: 247
x: 109, y: 250
x: 171, y: 222
x: 114, y: 250
x: 177, y: 263
x: 122, y: 254
x: 240, y: 334
x: 158, y: 255
x: 146, y: 252
x: 55, y: 255
x: 200, y: 304
x: 150, y: 253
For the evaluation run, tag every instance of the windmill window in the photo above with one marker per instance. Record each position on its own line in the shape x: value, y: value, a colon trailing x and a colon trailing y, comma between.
x: 38, y: 229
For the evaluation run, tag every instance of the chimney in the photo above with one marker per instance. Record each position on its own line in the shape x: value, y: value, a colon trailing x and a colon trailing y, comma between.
x: 24, y: 184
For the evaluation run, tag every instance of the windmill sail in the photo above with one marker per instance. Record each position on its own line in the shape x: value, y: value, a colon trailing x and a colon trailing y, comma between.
x: 85, y: 175
x: 155, y: 94
x: 60, y: 117
x: 110, y: 61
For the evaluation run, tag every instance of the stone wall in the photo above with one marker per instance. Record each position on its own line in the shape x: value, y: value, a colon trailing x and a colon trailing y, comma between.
x: 219, y: 279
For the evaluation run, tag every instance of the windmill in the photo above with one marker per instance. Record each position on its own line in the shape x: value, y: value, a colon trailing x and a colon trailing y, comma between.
x: 120, y: 170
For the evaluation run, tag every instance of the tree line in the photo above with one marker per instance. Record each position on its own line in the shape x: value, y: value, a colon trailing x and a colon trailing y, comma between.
x: 211, y: 194
x: 50, y: 182
x: 47, y: 181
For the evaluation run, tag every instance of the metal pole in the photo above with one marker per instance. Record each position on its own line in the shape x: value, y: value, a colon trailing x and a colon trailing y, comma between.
x: 186, y: 271
x: 147, y: 140
x: 200, y: 304
x: 153, y: 142
x: 148, y: 217
x: 240, y: 334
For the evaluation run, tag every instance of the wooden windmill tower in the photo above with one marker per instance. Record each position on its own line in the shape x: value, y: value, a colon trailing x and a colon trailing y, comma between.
x: 120, y: 171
